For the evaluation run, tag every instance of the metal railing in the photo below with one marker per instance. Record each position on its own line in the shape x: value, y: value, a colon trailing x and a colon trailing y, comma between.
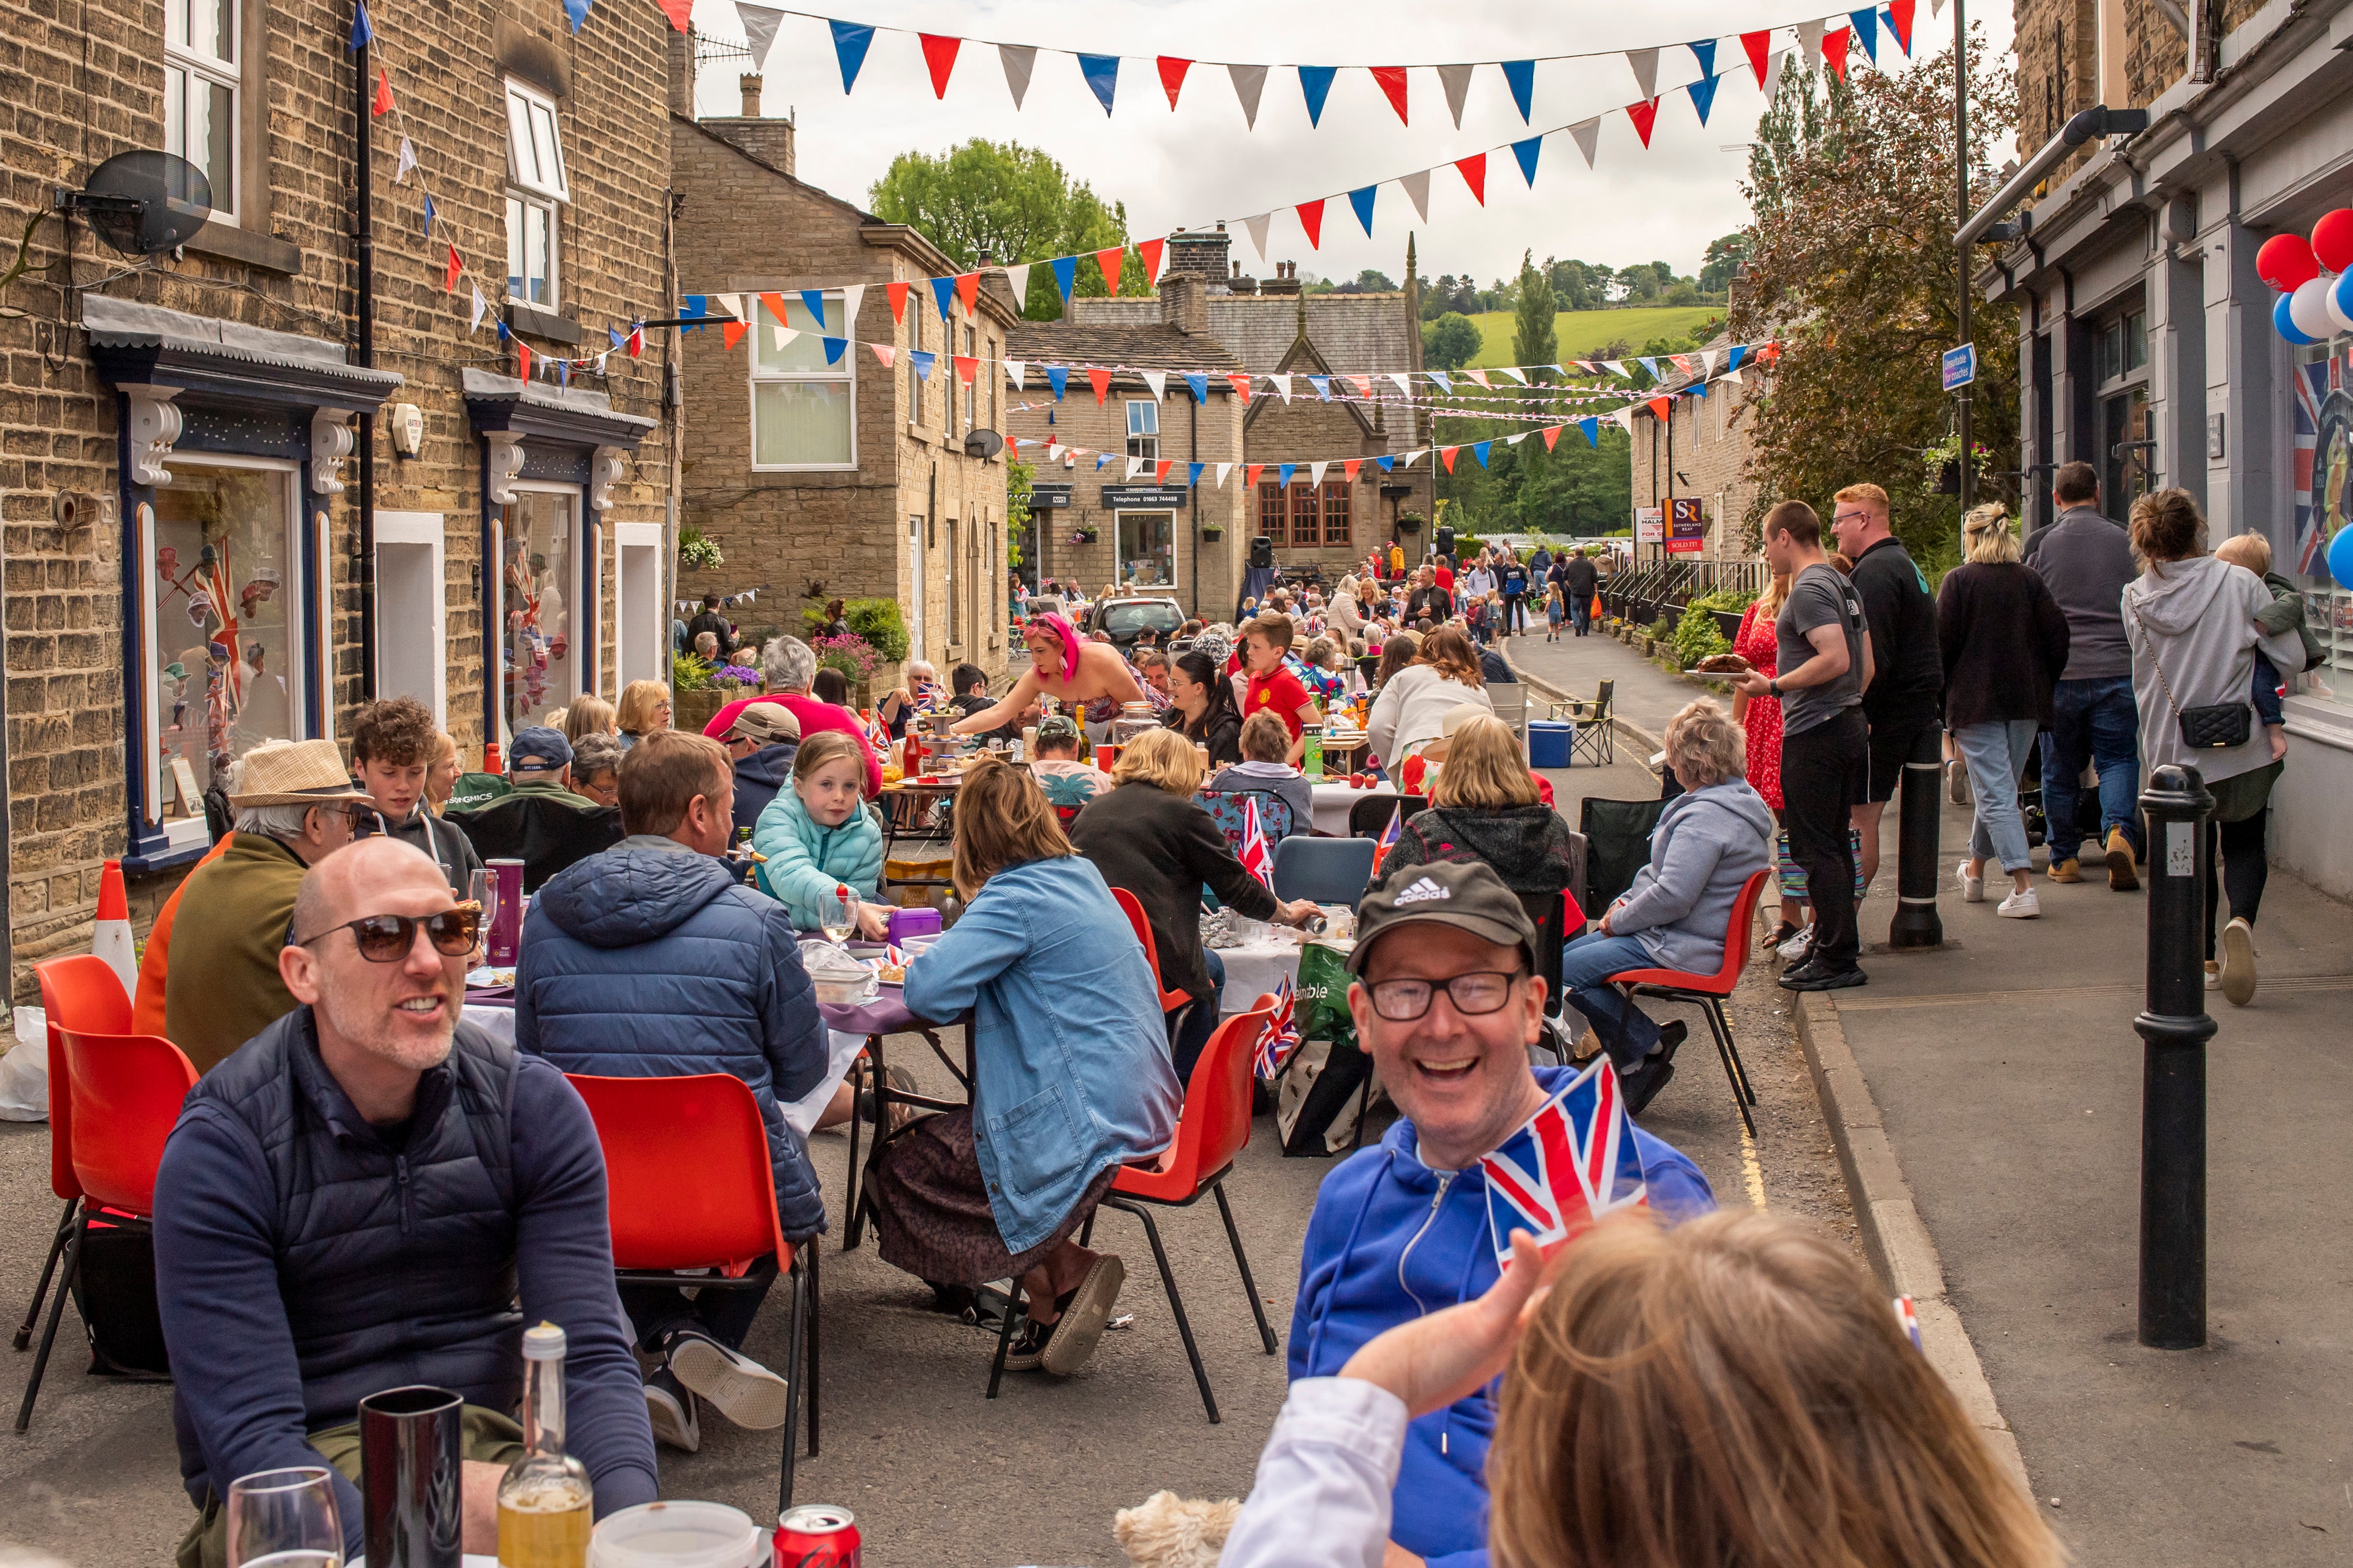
x: 1643, y: 594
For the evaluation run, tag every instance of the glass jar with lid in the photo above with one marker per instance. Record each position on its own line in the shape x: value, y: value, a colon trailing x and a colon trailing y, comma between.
x: 1135, y: 718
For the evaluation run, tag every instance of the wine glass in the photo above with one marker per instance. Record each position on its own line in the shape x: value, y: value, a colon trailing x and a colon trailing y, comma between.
x: 836, y: 914
x: 479, y: 883
x: 285, y: 1518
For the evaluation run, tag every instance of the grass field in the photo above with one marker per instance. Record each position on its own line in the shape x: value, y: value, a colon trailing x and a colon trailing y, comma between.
x: 1584, y: 334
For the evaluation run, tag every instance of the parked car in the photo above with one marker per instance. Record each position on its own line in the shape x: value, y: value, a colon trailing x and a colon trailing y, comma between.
x: 1124, y: 617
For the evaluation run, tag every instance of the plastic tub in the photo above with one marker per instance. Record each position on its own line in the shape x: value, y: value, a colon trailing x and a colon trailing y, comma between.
x: 1549, y: 743
x: 680, y: 1535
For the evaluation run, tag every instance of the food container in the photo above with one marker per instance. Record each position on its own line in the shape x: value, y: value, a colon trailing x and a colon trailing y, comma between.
x: 1135, y: 718
x: 839, y: 979
x: 908, y: 924
x: 680, y: 1535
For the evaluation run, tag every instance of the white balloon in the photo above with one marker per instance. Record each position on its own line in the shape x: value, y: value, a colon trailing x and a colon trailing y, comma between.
x: 2340, y: 301
x: 2308, y: 309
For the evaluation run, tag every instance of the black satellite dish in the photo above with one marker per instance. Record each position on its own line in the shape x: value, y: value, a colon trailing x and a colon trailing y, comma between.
x: 142, y: 202
x: 983, y: 444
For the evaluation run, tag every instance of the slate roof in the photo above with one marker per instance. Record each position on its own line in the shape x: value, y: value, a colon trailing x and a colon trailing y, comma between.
x: 1356, y: 333
x: 1147, y: 343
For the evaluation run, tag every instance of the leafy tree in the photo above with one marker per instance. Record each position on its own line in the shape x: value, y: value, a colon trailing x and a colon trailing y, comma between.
x: 1451, y: 341
x: 1723, y: 259
x: 1371, y: 280
x: 1533, y: 341
x: 1013, y: 202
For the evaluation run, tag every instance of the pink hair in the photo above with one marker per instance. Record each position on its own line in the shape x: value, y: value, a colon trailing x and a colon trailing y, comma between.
x: 1061, y: 627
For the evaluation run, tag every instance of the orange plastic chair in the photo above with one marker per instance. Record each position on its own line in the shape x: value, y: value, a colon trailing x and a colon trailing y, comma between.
x: 125, y: 1091
x: 689, y: 1187
x: 1133, y: 906
x: 83, y: 994
x: 1710, y: 990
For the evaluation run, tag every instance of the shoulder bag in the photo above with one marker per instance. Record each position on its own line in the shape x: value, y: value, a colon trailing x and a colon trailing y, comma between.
x: 2215, y: 727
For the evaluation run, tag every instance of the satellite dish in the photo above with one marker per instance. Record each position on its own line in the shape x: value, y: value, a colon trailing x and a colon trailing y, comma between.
x: 983, y: 444
x: 142, y: 202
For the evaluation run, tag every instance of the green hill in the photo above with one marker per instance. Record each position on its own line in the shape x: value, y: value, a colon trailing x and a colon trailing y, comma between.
x: 1584, y: 334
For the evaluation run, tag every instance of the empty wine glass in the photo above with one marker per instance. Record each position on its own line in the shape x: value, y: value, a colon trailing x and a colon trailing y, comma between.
x: 479, y: 883
x: 285, y: 1518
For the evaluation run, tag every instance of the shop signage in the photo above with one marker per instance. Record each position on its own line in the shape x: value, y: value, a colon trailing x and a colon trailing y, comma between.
x: 1133, y: 497
x: 1050, y: 498
x: 1686, y: 526
x: 1649, y: 525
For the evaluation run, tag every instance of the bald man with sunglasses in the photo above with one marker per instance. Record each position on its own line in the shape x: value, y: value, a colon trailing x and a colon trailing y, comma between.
x: 371, y: 1193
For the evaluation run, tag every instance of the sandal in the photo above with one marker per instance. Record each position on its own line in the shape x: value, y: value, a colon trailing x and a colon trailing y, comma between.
x: 1780, y: 933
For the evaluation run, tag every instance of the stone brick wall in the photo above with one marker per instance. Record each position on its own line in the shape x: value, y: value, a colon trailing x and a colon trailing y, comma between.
x: 1310, y: 430
x: 2059, y: 63
x: 1711, y: 448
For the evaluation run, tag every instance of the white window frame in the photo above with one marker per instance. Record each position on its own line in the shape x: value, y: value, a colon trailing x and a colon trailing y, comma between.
x: 1139, y: 437
x: 533, y: 190
x: 178, y: 55
x: 580, y: 661
x: 521, y: 101
x: 846, y: 374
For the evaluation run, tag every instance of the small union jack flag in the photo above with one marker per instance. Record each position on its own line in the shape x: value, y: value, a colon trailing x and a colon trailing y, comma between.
x: 1573, y: 1162
x: 1281, y: 1036
x: 1909, y: 1320
x: 1388, y: 840
x: 1255, y: 858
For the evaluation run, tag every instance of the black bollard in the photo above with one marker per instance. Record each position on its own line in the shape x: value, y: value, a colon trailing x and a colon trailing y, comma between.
x: 1918, y: 857
x: 2175, y: 1029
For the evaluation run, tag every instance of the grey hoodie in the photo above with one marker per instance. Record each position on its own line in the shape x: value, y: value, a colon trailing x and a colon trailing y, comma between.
x: 1706, y: 845
x: 2197, y: 624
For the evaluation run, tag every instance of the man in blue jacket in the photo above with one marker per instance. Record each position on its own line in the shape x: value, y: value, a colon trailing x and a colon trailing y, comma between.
x: 1401, y: 1231
x: 651, y: 961
x: 370, y: 1193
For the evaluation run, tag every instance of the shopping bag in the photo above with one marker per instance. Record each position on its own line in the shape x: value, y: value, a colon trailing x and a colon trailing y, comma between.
x: 1327, y: 1083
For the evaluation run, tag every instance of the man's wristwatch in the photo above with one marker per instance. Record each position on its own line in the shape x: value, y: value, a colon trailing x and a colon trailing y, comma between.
x: 1773, y: 688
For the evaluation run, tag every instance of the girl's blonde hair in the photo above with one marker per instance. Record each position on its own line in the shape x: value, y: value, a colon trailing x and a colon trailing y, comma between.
x: 1736, y: 1389
x: 1484, y: 770
x: 1161, y: 757
x: 1986, y: 537
x: 1003, y: 819
x: 639, y: 701
x: 588, y: 715
x: 1776, y: 595
x: 827, y: 746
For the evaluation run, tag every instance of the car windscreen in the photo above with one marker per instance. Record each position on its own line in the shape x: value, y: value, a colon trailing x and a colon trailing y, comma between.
x: 1125, y: 621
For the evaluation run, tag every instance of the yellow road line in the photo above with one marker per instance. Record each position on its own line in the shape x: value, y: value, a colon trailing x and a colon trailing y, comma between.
x: 1752, y: 1175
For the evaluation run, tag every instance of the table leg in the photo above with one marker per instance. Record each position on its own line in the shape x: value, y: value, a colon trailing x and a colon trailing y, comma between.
x: 853, y: 1223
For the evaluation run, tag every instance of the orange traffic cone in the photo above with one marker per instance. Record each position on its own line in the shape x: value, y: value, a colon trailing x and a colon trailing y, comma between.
x: 491, y: 762
x: 111, y: 940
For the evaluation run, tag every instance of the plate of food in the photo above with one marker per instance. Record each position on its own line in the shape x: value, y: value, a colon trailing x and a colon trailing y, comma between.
x: 1722, y: 663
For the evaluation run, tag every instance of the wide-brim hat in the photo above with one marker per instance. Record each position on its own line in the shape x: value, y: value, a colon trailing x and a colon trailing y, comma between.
x: 298, y: 772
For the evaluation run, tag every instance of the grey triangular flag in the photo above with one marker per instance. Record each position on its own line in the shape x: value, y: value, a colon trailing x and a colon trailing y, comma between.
x: 1935, y: 7
x: 1249, y: 82
x: 1809, y: 41
x: 1773, y: 75
x: 1417, y: 190
x: 1456, y: 81
x: 1018, y: 58
x: 759, y: 29
x: 1646, y: 70
x: 1257, y: 226
x: 1587, y: 133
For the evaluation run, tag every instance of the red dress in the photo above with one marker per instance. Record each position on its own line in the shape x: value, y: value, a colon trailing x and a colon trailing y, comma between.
x: 1763, y: 719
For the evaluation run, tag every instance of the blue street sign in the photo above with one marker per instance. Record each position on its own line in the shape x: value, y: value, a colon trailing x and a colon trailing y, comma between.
x: 1960, y: 366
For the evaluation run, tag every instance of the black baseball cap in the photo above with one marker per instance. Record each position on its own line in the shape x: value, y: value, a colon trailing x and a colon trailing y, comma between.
x: 1468, y: 896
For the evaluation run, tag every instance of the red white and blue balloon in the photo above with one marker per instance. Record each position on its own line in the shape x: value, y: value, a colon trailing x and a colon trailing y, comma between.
x: 2314, y: 280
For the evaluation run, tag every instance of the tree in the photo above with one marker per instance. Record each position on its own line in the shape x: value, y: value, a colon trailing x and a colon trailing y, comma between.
x: 1533, y: 341
x: 1451, y: 341
x: 1852, y: 267
x: 1723, y: 259
x: 1371, y: 280
x: 1013, y: 202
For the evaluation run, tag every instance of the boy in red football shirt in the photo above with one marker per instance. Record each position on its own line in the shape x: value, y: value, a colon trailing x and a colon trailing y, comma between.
x: 1273, y: 688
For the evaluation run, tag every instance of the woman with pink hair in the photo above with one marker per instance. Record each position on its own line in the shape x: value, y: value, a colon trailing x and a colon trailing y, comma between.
x: 1078, y: 673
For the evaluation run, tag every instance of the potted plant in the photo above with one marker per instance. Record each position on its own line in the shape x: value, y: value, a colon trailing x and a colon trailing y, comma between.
x: 695, y: 552
x: 1410, y: 522
x: 1085, y: 533
x: 1212, y: 532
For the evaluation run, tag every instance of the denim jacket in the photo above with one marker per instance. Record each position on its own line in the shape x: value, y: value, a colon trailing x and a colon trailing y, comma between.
x: 1073, y: 1069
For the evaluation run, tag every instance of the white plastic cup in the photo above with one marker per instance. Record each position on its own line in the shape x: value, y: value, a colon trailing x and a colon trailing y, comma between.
x: 678, y: 1535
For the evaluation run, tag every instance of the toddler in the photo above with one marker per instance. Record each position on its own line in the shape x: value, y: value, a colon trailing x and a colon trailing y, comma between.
x: 1556, y: 611
x: 2253, y: 552
x: 819, y: 837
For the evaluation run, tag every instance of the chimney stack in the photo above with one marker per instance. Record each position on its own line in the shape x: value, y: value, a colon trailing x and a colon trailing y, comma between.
x: 750, y: 82
x: 679, y: 62
x: 1184, y: 303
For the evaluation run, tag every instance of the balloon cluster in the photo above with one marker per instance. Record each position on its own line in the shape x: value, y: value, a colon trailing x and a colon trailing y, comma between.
x: 2314, y: 279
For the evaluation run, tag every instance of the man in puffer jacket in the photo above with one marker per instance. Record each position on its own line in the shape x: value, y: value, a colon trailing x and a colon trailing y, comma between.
x: 651, y: 961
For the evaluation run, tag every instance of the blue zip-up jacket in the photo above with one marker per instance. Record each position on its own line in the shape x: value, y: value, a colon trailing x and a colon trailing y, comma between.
x: 1392, y: 1240
x: 1074, y: 1076
x: 806, y: 862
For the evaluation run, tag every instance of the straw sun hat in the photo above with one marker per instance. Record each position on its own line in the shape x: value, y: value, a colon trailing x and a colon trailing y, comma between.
x: 298, y: 772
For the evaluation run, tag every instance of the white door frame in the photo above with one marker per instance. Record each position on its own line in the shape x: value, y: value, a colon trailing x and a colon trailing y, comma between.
x: 915, y: 588
x: 629, y: 536
x: 429, y: 529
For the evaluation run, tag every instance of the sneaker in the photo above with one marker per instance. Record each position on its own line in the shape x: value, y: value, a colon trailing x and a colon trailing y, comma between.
x: 1823, y: 978
x: 1972, y: 888
x: 1796, y: 947
x: 2019, y: 905
x: 1956, y: 781
x: 2121, y: 877
x: 1640, y: 1084
x: 2238, y: 972
x: 742, y: 1390
x: 1080, y: 1328
x: 1671, y: 1035
x: 2214, y: 975
x: 670, y: 1408
x: 2066, y: 870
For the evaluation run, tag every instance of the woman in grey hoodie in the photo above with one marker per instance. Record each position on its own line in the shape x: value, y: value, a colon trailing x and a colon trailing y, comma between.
x: 2190, y: 619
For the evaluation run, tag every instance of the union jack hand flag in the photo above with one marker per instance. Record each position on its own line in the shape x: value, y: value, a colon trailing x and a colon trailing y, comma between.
x: 1281, y: 1036
x: 1255, y: 858
x: 1573, y: 1162
x: 1388, y: 840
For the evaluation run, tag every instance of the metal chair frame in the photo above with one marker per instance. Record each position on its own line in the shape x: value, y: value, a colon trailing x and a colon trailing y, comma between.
x: 1595, y: 731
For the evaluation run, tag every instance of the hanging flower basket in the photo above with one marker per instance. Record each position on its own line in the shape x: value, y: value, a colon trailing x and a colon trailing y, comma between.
x: 1211, y: 532
x: 1410, y: 522
x: 1084, y: 536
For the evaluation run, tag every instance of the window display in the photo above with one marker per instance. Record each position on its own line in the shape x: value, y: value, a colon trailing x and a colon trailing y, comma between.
x: 536, y: 588
x: 226, y: 616
x: 2323, y: 476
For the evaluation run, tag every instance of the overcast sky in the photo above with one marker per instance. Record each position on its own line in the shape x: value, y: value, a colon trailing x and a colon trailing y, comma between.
x: 1201, y: 164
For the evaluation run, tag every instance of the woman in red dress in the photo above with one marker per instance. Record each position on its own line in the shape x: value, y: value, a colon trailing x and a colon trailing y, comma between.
x: 1762, y: 720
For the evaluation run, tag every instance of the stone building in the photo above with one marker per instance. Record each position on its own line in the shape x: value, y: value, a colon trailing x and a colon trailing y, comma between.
x: 1702, y: 448
x: 2146, y: 343
x: 181, y: 490
x: 836, y: 475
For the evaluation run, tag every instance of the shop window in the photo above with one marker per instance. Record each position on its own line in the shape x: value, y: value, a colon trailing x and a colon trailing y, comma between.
x: 1144, y: 429
x: 1337, y: 507
x: 802, y: 414
x: 1306, y: 515
x: 1147, y: 553
x: 537, y: 186
x: 1273, y: 514
x: 2124, y: 451
x: 538, y: 586
x: 201, y: 83
x: 2323, y: 469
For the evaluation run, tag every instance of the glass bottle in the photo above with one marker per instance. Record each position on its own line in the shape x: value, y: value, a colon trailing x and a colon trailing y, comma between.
x: 545, y: 1503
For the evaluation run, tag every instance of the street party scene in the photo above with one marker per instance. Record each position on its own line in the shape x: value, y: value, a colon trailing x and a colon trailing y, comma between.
x: 950, y: 840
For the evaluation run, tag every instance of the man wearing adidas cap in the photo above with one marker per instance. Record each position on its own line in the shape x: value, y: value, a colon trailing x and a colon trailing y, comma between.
x: 1447, y: 1001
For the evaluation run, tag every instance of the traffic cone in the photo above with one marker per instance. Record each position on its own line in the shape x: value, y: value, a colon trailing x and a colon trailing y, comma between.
x: 111, y: 939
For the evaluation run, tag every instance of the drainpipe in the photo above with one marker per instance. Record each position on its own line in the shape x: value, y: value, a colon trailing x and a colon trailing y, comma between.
x: 364, y: 235
x: 1193, y: 438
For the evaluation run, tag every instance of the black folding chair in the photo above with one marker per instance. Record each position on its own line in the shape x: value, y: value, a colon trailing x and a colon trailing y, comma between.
x: 1617, y: 845
x: 1369, y: 817
x: 1595, y: 734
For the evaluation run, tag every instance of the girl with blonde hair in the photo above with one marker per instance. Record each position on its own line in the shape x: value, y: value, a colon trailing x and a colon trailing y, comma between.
x: 645, y: 708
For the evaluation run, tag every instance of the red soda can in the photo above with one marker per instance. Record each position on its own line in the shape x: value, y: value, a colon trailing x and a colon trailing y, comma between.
x: 818, y: 1535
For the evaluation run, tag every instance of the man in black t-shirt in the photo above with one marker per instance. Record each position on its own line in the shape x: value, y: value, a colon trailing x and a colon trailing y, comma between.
x: 1579, y: 580
x: 1904, y: 705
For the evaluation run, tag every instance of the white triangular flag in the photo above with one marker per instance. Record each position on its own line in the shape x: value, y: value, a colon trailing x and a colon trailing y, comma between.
x: 1515, y: 440
x: 1732, y: 376
x: 1772, y: 74
x: 1158, y: 380
x: 1646, y: 70
x: 1404, y: 382
x: 1283, y: 386
x: 1017, y: 59
x: 781, y: 334
x: 1018, y: 278
x: 1625, y: 418
x: 1586, y: 133
x: 1935, y: 7
x: 1053, y: 451
x: 600, y: 360
x: 1411, y: 457
x: 1615, y: 367
x: 759, y: 29
x: 479, y: 304
x: 407, y: 161
x: 1222, y: 469
x: 1514, y: 371
x: 1134, y: 467
x: 854, y: 295
x: 1258, y: 228
x: 1417, y: 190
x: 1810, y: 40
x: 1706, y: 364
x: 1014, y: 369
x: 1250, y: 82
x: 1456, y: 81
x: 1315, y: 479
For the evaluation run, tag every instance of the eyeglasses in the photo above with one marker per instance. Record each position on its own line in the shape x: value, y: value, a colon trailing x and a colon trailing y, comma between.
x: 1851, y: 517
x: 389, y: 939
x: 1474, y: 995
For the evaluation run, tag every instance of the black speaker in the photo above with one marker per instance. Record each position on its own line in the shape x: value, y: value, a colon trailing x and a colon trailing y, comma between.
x: 1261, y: 552
x: 1446, y: 539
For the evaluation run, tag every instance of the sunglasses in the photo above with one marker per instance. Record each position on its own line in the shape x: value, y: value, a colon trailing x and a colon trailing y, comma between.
x: 389, y: 939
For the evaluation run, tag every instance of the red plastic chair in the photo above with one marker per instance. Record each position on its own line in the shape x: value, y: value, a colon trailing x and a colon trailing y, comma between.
x: 1214, y: 1127
x: 125, y: 1092
x: 689, y: 1187
x: 1133, y: 908
x: 83, y: 994
x: 1710, y: 990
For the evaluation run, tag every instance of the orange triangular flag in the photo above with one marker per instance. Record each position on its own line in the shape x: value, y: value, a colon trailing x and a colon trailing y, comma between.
x: 1552, y: 436
x: 450, y: 275
x: 1240, y: 383
x: 1392, y: 81
x: 1363, y: 383
x: 731, y: 333
x: 1109, y: 259
x: 383, y: 104
x: 1160, y: 474
x: 1662, y: 407
x: 969, y: 289
x: 1251, y: 479
x: 1151, y: 251
x: 1311, y: 218
x: 1759, y: 44
x: 1834, y: 51
x: 940, y: 53
x: 1100, y: 379
x: 1644, y: 115
x: 775, y: 303
x: 1172, y: 76
x: 523, y: 369
x: 898, y: 294
x: 1446, y: 455
x: 1351, y: 466
x: 680, y: 14
x: 1475, y: 174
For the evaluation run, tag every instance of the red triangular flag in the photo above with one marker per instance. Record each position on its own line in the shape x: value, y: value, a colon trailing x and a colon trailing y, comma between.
x: 383, y: 104
x: 1392, y: 80
x: 1899, y: 16
x: 680, y: 14
x: 450, y: 275
x: 886, y: 353
x: 1160, y: 475
x: 940, y: 53
x: 966, y: 366
x: 1552, y: 436
x: 1251, y: 479
x: 1109, y: 259
x: 1446, y: 454
x: 1241, y: 383
x: 523, y: 369
x: 1644, y: 115
x: 1475, y: 174
x: 731, y: 333
x: 969, y: 289
x: 775, y: 303
x: 1101, y: 380
x: 1172, y: 76
x: 1662, y: 407
x: 1311, y: 218
x: 1767, y: 353
x: 898, y: 294
x: 1150, y: 250
x: 1351, y: 466
x: 1759, y: 44
x: 1834, y: 51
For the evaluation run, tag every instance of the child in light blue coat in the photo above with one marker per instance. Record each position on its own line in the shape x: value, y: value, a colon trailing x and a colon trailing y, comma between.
x: 817, y: 836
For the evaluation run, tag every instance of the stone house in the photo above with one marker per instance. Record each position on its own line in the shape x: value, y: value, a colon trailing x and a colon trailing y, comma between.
x: 1702, y: 448
x: 841, y: 475
x: 203, y: 549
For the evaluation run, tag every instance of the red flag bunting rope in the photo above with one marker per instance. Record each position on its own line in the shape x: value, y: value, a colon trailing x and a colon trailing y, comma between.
x: 969, y: 289
x: 1311, y: 218
x: 449, y: 277
x: 1447, y: 453
x: 1661, y: 407
x: 1101, y: 380
x: 898, y: 294
x: 731, y: 332
x: 1644, y: 115
x: 1151, y: 251
x: 939, y: 56
x: 1475, y: 174
x: 1109, y: 259
x: 1351, y: 466
x: 1899, y: 16
x: 1241, y: 383
x: 1161, y: 473
x: 967, y: 366
x: 1392, y: 83
x: 1172, y: 76
x: 1759, y: 46
x: 522, y: 359
x: 1833, y: 53
x: 680, y: 14
x: 775, y: 303
x: 1551, y: 434
x: 383, y: 104
x: 1251, y: 477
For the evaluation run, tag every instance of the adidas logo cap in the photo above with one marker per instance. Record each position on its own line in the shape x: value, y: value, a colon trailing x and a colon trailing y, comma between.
x: 1469, y: 896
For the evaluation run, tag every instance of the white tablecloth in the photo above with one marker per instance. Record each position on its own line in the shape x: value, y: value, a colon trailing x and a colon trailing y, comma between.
x: 496, y: 1022
x: 1332, y: 801
x: 1255, y: 969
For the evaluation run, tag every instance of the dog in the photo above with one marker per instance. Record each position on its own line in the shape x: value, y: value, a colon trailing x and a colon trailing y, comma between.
x: 1165, y: 1531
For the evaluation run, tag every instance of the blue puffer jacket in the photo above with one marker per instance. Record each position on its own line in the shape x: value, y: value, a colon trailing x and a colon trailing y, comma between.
x: 649, y: 961
x: 808, y: 862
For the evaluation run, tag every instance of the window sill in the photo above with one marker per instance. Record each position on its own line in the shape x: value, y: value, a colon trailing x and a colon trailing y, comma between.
x: 805, y: 467
x: 2324, y: 720
x: 546, y: 324
x: 230, y: 243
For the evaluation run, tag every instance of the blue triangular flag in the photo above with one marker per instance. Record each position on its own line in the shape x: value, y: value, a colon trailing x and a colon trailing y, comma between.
x: 1867, y: 27
x: 1591, y: 429
x: 833, y: 347
x: 1905, y: 42
x: 1193, y: 475
x: 1066, y: 277
x: 504, y: 334
x: 1653, y: 366
x: 1703, y: 95
x: 1478, y: 450
x: 577, y: 10
x: 429, y: 218
x: 1323, y: 385
x: 1388, y: 465
x: 1102, y: 72
x: 923, y: 362
x: 614, y: 334
x: 1439, y: 377
x: 1732, y: 359
x: 942, y: 290
x: 1706, y: 56
x: 363, y: 35
x: 813, y: 302
x: 850, y: 41
x: 1696, y: 389
x: 1315, y: 81
x: 1361, y: 200
x: 1525, y: 151
x: 1521, y: 75
x: 1057, y: 376
x: 1103, y: 458
x: 697, y: 308
x: 1282, y: 481
x: 1200, y: 381
x: 563, y: 373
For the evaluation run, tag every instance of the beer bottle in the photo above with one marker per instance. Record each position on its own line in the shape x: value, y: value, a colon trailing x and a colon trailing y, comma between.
x: 545, y: 1503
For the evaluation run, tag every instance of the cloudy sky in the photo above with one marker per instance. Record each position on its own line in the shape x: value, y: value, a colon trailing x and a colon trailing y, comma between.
x: 1201, y: 162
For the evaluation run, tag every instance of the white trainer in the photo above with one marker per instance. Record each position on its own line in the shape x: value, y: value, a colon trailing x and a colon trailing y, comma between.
x: 2020, y: 906
x: 1972, y: 888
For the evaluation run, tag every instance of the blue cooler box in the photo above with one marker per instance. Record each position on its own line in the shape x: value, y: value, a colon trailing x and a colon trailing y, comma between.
x: 1549, y: 743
